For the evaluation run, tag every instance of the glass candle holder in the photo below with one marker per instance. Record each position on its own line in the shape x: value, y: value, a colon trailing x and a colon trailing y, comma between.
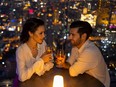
x: 58, y: 81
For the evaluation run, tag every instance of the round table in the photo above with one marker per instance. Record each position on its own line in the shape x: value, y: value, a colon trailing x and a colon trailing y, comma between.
x: 46, y: 80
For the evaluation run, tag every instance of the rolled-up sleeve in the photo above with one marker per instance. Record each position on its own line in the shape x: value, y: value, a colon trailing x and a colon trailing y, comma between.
x: 48, y: 66
x: 43, y: 68
x: 39, y: 67
x: 85, y: 62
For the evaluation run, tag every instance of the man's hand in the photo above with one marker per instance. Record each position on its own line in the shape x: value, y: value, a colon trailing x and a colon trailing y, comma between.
x: 64, y: 65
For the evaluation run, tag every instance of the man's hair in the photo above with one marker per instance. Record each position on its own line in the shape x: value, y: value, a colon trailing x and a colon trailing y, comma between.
x: 83, y: 27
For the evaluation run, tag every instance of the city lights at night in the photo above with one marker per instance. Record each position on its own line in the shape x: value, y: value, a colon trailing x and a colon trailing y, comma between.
x: 57, y: 15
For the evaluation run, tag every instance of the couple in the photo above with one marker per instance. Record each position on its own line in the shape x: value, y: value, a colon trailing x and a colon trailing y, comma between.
x: 31, y: 56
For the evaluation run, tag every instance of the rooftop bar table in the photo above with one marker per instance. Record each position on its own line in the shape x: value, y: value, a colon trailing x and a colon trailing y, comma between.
x: 46, y: 80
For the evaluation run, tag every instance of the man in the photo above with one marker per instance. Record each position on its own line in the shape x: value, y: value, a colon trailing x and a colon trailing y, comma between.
x: 85, y: 56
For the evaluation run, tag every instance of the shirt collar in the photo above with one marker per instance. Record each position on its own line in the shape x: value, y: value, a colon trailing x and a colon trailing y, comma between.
x: 84, y: 46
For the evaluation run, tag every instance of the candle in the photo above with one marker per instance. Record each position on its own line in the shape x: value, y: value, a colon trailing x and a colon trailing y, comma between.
x: 58, y: 81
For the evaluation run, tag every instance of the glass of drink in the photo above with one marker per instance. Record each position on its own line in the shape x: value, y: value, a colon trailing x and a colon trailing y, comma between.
x: 60, y: 57
x: 50, y: 51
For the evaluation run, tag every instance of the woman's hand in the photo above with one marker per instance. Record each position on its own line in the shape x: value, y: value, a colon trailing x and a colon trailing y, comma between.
x: 46, y: 57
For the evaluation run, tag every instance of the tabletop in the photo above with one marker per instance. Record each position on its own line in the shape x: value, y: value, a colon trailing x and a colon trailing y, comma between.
x: 46, y: 80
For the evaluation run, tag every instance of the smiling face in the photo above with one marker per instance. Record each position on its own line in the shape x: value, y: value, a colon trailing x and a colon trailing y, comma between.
x: 75, y: 38
x: 39, y: 35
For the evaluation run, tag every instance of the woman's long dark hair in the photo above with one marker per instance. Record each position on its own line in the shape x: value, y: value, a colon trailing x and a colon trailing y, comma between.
x: 30, y: 25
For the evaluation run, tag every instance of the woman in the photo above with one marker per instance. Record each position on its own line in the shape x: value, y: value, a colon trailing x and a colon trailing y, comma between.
x: 31, y: 56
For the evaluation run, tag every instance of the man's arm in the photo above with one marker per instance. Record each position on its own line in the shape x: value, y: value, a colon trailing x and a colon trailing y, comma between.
x: 65, y: 65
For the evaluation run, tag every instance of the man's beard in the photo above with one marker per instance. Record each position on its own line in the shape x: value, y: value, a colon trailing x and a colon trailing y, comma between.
x: 76, y: 43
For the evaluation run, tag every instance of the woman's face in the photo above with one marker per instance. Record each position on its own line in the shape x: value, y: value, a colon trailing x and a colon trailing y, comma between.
x: 39, y: 35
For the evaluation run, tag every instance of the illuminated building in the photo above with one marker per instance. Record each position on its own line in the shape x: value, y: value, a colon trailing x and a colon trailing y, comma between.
x: 56, y: 17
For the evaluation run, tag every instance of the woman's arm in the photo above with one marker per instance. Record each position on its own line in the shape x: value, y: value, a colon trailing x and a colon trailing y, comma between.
x: 23, y: 71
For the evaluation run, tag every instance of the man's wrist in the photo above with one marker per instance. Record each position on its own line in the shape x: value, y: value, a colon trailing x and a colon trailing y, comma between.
x: 66, y: 65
